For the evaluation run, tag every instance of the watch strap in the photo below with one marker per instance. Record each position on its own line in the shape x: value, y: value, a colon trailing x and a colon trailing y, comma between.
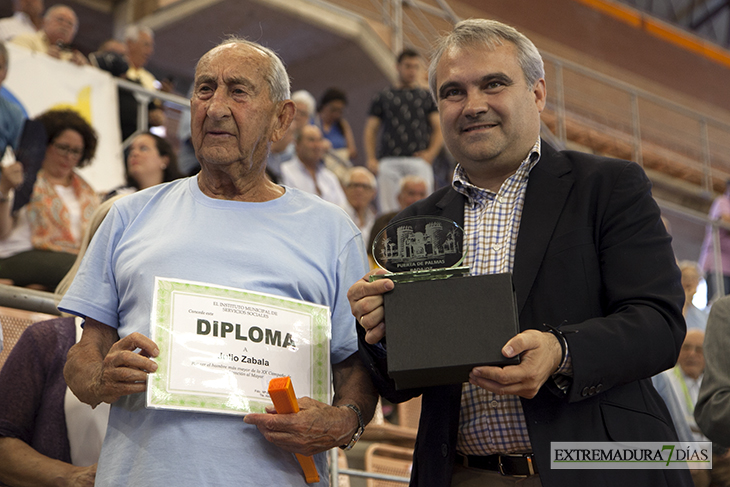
x: 360, y: 427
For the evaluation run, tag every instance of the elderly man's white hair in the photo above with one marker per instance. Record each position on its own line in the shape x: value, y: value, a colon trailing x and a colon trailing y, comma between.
x: 410, y: 179
x: 362, y: 170
x: 60, y: 6
x: 303, y: 96
x: 691, y: 265
x: 276, y: 76
x: 132, y: 32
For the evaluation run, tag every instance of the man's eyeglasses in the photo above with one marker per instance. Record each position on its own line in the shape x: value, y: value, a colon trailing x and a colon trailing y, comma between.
x: 693, y: 348
x: 66, y: 150
x: 65, y: 20
x: 359, y: 185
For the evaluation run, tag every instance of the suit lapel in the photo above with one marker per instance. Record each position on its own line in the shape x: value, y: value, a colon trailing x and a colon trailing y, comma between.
x: 547, y: 190
x: 452, y: 206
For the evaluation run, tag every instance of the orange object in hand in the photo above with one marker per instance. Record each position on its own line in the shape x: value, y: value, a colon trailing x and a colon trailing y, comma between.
x: 282, y: 395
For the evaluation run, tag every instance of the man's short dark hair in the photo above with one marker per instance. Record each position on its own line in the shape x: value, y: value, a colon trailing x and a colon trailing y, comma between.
x: 408, y: 53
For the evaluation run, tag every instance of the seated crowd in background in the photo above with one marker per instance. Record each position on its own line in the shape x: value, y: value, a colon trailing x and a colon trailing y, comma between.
x: 40, y: 240
x: 60, y: 25
x: 307, y: 171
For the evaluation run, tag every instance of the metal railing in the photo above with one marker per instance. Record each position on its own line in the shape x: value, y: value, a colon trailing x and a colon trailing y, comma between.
x: 143, y: 97
x: 584, y: 105
x: 29, y: 299
x: 335, y: 472
x: 700, y: 219
x: 655, y: 131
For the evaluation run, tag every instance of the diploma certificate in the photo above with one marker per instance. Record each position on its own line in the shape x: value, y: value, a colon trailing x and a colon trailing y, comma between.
x: 220, y: 347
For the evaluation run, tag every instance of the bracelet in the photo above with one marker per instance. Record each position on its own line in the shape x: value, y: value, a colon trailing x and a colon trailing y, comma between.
x: 360, y: 427
x: 561, y: 339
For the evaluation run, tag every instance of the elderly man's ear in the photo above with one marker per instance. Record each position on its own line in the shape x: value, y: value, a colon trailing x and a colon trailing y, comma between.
x: 287, y: 109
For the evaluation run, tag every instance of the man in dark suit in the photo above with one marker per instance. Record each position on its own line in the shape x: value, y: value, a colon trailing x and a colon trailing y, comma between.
x: 590, y: 257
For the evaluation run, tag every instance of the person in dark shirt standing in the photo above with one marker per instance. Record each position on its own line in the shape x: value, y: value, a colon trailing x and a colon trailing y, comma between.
x: 410, y: 138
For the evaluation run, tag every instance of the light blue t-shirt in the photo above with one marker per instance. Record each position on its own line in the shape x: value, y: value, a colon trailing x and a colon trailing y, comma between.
x: 296, y: 246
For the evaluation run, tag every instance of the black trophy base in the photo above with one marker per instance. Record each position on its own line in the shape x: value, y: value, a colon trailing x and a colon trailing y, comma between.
x: 437, y: 331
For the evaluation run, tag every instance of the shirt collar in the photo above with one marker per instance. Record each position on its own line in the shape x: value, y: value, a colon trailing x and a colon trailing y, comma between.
x: 474, y: 193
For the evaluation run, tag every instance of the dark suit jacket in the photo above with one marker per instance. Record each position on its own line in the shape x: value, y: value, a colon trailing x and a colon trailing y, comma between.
x: 593, y: 255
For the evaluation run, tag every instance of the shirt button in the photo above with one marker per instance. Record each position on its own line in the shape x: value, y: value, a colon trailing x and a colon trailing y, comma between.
x: 497, y: 248
x: 444, y: 450
x: 494, y: 404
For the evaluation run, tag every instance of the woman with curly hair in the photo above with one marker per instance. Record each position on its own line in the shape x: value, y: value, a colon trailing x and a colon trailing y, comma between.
x: 41, y: 240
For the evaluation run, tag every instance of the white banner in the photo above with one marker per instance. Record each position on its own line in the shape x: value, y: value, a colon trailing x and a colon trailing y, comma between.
x: 41, y: 82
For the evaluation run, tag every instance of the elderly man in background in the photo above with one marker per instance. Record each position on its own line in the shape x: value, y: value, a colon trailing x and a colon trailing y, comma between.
x: 229, y: 226
x: 60, y: 25
x: 412, y: 189
x: 360, y: 190
x: 691, y: 276
x: 284, y: 149
x: 306, y: 106
x: 686, y: 377
x: 306, y: 171
x: 140, y: 47
x: 27, y: 19
x: 140, y: 41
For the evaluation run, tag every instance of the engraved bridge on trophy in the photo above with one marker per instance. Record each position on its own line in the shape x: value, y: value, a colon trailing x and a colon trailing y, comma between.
x: 420, y: 248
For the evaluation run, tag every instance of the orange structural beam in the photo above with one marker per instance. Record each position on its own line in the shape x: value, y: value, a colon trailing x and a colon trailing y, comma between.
x: 615, y: 10
x: 661, y: 30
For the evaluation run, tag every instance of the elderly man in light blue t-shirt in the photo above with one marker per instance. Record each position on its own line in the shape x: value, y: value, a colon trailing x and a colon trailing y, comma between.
x: 229, y: 226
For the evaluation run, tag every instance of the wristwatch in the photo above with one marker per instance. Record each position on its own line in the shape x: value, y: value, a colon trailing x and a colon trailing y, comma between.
x: 358, y: 431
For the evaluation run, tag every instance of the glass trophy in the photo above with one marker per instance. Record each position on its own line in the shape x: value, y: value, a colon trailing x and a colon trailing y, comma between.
x: 420, y: 248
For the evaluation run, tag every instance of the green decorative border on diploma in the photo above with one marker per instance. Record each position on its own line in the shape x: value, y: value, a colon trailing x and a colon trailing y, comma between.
x: 158, y: 395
